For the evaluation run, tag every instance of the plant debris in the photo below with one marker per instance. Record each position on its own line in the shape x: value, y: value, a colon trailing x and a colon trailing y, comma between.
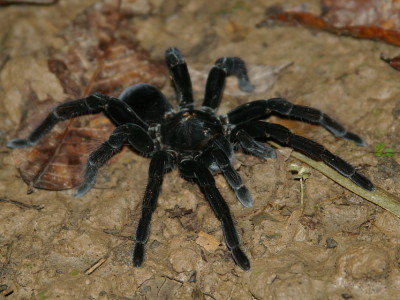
x: 28, y: 1
x: 101, y: 56
x: 367, y: 19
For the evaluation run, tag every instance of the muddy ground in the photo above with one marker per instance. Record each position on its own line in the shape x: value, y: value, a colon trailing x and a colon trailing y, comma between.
x: 337, y: 246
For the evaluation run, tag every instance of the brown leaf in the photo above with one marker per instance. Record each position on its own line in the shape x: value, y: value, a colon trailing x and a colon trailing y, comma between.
x: 57, y: 162
x: 27, y: 1
x: 369, y: 19
x: 207, y: 241
x: 100, y: 55
x: 393, y: 62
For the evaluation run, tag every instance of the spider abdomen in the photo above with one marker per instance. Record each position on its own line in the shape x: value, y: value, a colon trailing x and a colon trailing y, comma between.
x: 190, y: 130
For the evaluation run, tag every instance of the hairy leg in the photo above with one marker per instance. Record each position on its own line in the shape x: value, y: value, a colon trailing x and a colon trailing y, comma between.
x: 127, y: 133
x: 180, y: 75
x: 116, y: 109
x: 261, y: 108
x: 310, y: 148
x: 195, y: 170
x: 224, y: 67
x: 159, y: 164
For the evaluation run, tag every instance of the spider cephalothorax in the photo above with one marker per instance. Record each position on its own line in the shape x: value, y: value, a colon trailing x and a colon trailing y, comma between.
x: 196, y: 141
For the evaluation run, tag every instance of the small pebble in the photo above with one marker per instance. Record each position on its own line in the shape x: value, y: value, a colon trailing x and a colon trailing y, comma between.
x: 331, y: 243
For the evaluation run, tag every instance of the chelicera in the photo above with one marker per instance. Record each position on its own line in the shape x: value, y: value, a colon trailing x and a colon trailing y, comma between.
x: 197, y: 141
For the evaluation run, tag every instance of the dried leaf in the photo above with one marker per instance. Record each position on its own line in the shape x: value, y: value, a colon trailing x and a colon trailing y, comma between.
x: 370, y: 19
x: 207, y: 241
x: 101, y: 56
x: 57, y: 162
x: 178, y: 212
x: 27, y: 1
x: 393, y: 62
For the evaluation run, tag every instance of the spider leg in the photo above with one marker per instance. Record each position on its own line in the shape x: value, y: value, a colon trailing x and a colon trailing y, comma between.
x: 116, y: 109
x: 195, y: 170
x: 218, y: 158
x: 160, y: 163
x: 312, y: 149
x: 147, y: 101
x: 180, y: 75
x: 233, y: 178
x: 260, y: 108
x: 131, y: 133
x: 253, y: 147
x: 223, y: 67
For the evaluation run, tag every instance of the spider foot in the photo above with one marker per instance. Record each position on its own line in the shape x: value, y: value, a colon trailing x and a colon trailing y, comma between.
x: 173, y: 57
x: 355, y: 138
x: 246, y: 86
x: 19, y: 143
x: 261, y: 150
x: 138, y: 254
x: 253, y: 147
x: 240, y: 258
x: 362, y: 181
x: 244, y: 196
x: 84, y: 188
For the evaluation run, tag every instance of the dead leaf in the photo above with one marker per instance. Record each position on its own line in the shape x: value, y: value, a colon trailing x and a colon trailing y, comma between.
x: 28, y: 1
x: 207, y: 241
x: 393, y: 62
x: 369, y: 19
x: 100, y: 55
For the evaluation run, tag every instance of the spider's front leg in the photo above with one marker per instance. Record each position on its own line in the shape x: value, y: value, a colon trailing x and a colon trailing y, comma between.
x: 116, y: 109
x: 224, y: 67
x: 196, y: 170
x: 127, y: 133
x: 260, y: 108
x: 160, y: 163
x: 180, y: 75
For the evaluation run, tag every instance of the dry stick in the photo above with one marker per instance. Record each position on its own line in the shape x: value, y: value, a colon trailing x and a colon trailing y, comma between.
x: 27, y: 1
x: 95, y: 266
x: 21, y: 204
x: 380, y: 197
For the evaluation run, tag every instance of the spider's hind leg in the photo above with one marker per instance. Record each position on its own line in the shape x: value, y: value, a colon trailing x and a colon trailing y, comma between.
x: 224, y: 67
x: 280, y: 106
x: 310, y: 148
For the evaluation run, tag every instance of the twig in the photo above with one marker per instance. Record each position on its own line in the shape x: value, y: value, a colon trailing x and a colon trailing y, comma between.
x: 27, y: 1
x: 95, y: 266
x: 21, y: 204
x: 379, y: 196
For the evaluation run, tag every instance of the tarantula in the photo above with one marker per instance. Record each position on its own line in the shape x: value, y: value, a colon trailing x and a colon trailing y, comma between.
x: 197, y: 141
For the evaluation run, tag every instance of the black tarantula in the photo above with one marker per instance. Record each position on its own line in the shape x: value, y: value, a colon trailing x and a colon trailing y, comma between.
x: 196, y: 141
